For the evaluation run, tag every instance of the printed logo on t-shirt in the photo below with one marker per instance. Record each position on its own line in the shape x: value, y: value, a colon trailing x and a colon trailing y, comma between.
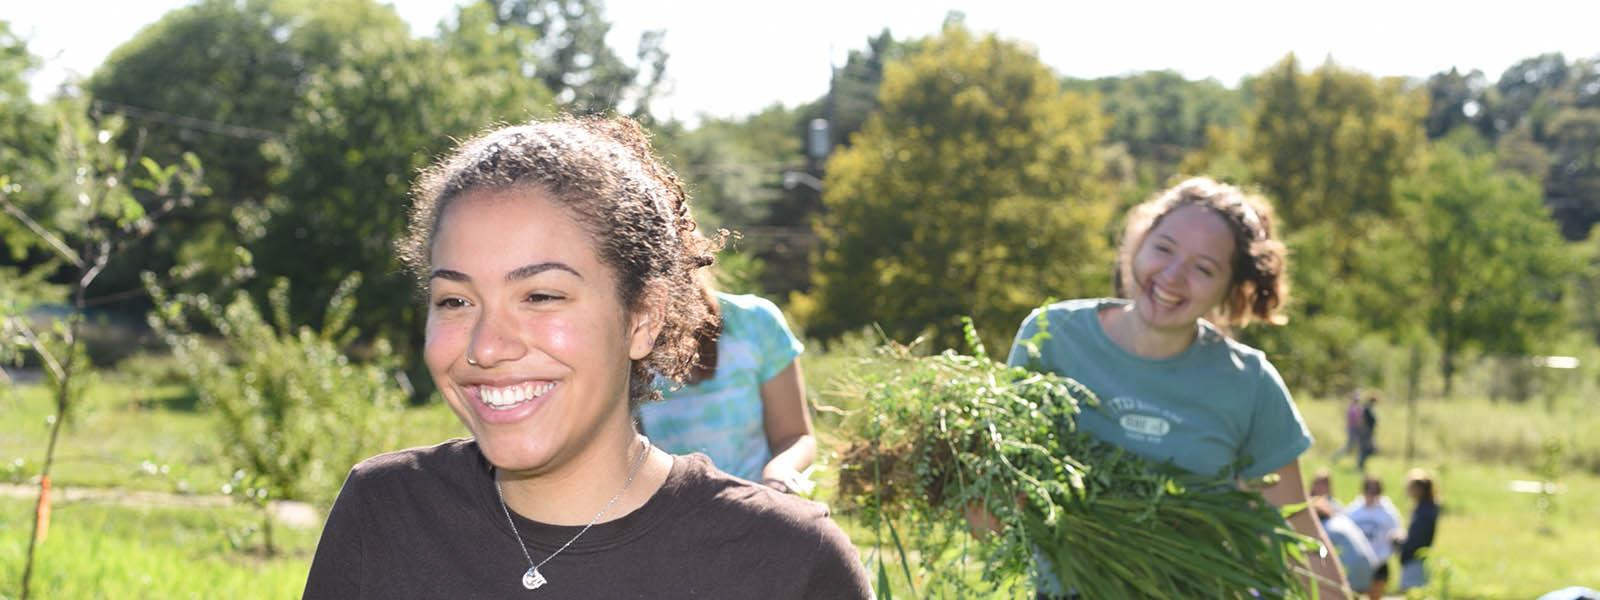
x: 1144, y: 425
x: 1143, y: 421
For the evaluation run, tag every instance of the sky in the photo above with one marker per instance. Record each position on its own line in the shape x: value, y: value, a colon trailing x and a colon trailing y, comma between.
x: 731, y: 58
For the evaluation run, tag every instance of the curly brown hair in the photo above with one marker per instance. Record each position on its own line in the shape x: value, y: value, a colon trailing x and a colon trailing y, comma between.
x: 633, y: 207
x: 1259, y: 288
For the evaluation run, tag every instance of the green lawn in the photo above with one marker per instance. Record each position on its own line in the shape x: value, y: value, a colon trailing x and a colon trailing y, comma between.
x: 145, y: 438
x: 1493, y: 542
x: 104, y: 551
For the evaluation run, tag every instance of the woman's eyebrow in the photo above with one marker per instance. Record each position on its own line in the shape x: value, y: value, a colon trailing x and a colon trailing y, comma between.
x: 519, y: 273
x: 526, y: 271
x: 449, y: 274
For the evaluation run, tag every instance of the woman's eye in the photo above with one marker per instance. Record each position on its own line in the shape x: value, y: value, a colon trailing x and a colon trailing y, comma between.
x: 1163, y: 250
x: 450, y: 302
x: 1204, y: 271
x: 538, y: 297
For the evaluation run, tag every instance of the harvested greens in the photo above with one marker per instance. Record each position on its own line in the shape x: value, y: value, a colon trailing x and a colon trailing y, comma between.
x: 939, y: 436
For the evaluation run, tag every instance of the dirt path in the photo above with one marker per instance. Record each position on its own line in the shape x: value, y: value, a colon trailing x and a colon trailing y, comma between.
x: 287, y: 512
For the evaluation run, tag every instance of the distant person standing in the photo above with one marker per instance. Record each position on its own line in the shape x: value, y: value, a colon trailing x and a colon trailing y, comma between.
x: 1369, y: 431
x: 1419, y: 534
x: 1379, y: 520
x: 1354, y: 427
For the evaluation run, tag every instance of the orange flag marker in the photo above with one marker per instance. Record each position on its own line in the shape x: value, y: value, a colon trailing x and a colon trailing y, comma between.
x: 44, y: 510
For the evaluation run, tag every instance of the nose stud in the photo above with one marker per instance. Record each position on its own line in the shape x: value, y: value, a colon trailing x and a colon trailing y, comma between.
x: 472, y: 362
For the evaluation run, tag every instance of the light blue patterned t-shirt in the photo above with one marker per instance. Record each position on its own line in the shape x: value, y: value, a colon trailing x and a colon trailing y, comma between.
x: 722, y: 417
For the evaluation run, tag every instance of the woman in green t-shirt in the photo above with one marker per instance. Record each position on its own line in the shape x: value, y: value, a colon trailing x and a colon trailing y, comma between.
x: 1195, y: 261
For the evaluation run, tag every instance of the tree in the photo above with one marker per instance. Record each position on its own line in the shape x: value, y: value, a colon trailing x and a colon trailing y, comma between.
x: 853, y: 91
x: 1521, y: 94
x: 564, y: 45
x: 106, y: 200
x: 1572, y: 183
x: 1544, y: 114
x: 1455, y: 100
x: 1493, y: 264
x: 973, y: 191
x: 27, y: 146
x: 1159, y: 117
x: 1329, y: 144
x: 293, y: 412
x: 227, y: 103
x: 1327, y: 147
x: 377, y: 112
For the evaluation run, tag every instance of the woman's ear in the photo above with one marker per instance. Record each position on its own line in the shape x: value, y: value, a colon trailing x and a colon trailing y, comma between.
x: 644, y: 325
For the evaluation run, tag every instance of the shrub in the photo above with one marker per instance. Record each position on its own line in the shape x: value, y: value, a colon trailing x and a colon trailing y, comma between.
x: 293, y: 412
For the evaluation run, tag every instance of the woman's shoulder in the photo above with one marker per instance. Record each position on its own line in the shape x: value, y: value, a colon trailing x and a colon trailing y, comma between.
x: 746, y: 303
x: 717, y: 497
x: 1241, y: 356
x: 446, y: 459
x: 729, y: 497
x: 1077, y: 311
x: 718, y: 504
x: 1080, y: 305
x: 749, y: 310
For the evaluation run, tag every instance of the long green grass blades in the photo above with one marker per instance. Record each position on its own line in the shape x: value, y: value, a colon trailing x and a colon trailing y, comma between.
x: 905, y: 559
x: 938, y: 434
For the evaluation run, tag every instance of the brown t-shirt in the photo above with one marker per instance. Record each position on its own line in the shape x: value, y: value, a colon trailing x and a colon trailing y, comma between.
x: 426, y: 523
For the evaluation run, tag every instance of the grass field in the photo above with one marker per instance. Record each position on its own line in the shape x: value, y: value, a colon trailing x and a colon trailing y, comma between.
x: 1493, y: 542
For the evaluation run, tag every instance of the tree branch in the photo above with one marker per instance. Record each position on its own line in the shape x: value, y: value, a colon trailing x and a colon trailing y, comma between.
x: 55, y: 243
x: 38, y: 348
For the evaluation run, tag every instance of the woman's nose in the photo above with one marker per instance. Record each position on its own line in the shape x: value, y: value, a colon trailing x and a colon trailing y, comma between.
x: 494, y: 341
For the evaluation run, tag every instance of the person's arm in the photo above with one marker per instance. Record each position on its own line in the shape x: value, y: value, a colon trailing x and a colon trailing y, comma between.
x: 787, y: 421
x: 1419, y: 534
x: 1326, y: 573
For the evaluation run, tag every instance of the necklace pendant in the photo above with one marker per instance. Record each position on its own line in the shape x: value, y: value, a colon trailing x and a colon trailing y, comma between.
x: 533, y: 579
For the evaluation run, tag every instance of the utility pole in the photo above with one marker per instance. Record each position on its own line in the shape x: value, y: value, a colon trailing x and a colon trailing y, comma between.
x: 1413, y: 381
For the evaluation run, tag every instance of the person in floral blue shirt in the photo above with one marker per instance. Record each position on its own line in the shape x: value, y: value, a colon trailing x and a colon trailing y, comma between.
x: 745, y: 405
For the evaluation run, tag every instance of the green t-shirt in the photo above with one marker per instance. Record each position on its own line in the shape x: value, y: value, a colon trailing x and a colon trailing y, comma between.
x: 1217, y: 403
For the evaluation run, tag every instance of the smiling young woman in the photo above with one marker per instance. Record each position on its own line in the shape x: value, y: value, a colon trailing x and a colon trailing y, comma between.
x: 559, y: 262
x: 1195, y: 261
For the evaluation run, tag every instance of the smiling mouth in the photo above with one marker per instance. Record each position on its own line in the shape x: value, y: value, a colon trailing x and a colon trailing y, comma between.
x: 1163, y: 298
x: 511, y: 396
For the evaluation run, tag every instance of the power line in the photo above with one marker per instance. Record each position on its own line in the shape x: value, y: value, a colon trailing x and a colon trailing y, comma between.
x: 187, y: 122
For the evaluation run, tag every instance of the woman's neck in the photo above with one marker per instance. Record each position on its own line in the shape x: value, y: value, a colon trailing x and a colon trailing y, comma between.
x: 575, y: 491
x: 1130, y: 333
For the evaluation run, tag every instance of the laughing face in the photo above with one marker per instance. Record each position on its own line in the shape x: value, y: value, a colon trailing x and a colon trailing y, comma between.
x: 1183, y: 268
x: 527, y: 337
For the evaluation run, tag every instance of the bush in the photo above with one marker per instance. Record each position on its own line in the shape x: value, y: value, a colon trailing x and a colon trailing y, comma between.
x: 294, y: 413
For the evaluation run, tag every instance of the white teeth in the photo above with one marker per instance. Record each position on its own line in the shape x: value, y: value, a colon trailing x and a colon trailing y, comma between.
x: 1165, y: 297
x: 503, y: 398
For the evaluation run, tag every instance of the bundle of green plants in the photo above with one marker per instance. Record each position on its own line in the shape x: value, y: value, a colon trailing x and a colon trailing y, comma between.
x: 960, y: 456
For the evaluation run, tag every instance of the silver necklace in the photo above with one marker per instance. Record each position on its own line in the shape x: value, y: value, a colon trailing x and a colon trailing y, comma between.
x: 533, y: 579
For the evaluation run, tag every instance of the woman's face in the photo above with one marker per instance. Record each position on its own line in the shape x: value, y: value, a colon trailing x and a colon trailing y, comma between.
x: 517, y: 288
x: 1182, y: 269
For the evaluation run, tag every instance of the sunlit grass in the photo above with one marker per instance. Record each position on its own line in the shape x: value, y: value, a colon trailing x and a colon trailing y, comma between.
x: 108, y: 551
